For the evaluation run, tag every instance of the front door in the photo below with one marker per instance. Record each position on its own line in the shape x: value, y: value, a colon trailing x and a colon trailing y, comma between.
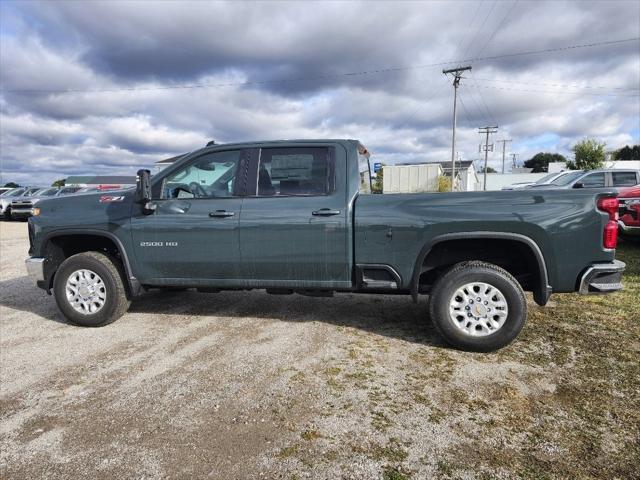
x: 192, y: 237
x: 293, y: 230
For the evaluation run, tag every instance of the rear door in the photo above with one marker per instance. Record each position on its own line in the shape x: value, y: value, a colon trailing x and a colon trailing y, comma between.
x: 293, y: 229
x: 193, y: 234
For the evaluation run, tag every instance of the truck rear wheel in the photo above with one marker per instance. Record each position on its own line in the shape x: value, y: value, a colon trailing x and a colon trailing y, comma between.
x: 478, y: 306
x: 89, y: 289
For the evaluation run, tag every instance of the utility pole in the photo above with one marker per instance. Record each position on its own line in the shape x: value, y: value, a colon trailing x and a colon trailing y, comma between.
x: 487, y: 131
x: 457, y: 75
x: 504, y: 142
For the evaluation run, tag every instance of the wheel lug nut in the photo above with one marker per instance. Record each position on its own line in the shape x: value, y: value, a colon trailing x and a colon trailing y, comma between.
x: 486, y: 303
x: 470, y: 301
x: 479, y: 299
x: 469, y: 314
x: 467, y: 307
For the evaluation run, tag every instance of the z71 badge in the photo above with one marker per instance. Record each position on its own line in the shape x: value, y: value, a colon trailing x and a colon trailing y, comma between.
x: 111, y: 198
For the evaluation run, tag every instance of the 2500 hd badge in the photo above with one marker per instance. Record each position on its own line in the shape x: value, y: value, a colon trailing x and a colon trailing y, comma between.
x: 158, y: 244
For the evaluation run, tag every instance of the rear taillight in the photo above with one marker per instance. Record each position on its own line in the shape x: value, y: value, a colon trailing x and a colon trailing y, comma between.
x: 610, y: 205
x: 610, y: 237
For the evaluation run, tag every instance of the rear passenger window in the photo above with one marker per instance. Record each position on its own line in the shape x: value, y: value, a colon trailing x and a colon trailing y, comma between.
x: 294, y: 171
x: 624, y: 179
x: 593, y: 180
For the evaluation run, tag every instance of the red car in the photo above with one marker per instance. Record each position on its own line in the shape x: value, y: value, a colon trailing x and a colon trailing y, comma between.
x: 629, y: 221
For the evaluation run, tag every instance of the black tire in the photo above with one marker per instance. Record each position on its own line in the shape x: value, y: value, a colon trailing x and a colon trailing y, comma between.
x: 7, y: 214
x: 116, y: 300
x: 465, y: 273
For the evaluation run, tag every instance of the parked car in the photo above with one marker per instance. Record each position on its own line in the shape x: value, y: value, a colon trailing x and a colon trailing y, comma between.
x: 8, y: 197
x: 546, y: 180
x: 629, y: 221
x: 617, y: 178
x: 517, y: 186
x: 299, y: 217
x: 22, y: 207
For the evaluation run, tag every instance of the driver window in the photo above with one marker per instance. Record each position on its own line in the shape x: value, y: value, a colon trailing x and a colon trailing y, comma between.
x: 209, y: 176
x: 593, y: 180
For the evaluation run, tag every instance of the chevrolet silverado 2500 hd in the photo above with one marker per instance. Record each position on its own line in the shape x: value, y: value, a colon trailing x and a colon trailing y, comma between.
x: 299, y: 217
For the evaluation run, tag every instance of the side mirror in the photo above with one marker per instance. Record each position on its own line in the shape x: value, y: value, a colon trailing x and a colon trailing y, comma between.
x: 578, y: 185
x: 143, y: 186
x: 143, y: 190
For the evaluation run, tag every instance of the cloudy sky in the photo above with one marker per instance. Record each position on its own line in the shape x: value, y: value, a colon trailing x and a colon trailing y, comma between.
x: 107, y: 87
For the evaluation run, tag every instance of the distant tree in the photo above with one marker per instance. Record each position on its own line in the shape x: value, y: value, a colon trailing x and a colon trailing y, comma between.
x: 627, y: 153
x: 59, y: 183
x: 540, y: 161
x: 11, y: 185
x: 377, y: 184
x: 489, y: 170
x: 589, y: 155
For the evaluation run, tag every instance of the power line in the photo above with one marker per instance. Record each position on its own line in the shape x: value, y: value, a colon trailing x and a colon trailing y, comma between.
x: 557, y: 84
x: 467, y: 115
x: 500, y: 23
x: 422, y: 105
x: 481, y: 113
x: 322, y: 77
x: 493, y: 5
x: 473, y: 21
x: 557, y: 92
x: 493, y: 120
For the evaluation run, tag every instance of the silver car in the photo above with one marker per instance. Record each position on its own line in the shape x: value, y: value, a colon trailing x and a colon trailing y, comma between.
x: 7, y: 197
x: 606, y: 177
x: 22, y: 207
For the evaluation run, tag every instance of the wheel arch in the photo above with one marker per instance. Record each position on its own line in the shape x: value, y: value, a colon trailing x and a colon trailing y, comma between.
x: 541, y: 290
x: 54, y: 255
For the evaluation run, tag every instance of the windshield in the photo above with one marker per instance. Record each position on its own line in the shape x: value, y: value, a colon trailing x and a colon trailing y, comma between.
x: 567, y: 179
x: 47, y: 192
x: 68, y: 190
x: 14, y: 193
x: 546, y: 178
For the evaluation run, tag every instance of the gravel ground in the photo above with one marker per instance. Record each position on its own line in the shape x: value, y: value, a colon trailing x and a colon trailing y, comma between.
x: 250, y: 385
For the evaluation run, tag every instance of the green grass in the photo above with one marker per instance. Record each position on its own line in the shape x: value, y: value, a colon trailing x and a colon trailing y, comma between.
x: 590, y: 347
x: 563, y: 401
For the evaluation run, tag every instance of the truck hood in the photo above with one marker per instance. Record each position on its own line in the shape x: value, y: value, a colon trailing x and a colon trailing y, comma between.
x: 86, y: 210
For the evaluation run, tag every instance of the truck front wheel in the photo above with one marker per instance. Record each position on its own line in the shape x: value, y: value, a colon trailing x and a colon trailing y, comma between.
x: 89, y: 289
x: 478, y: 306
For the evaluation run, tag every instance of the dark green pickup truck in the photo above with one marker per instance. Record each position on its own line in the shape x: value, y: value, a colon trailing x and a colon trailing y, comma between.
x: 299, y: 217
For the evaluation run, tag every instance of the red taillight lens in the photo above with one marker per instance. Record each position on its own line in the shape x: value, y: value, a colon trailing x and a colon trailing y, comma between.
x: 610, y: 236
x: 609, y: 205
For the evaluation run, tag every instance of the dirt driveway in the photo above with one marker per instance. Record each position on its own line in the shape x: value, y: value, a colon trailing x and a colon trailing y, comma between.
x: 249, y: 385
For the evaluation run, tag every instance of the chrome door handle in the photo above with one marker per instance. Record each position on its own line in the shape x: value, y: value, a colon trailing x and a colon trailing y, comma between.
x: 221, y: 214
x: 325, y: 212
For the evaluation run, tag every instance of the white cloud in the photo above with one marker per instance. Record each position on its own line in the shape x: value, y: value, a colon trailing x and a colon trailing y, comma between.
x: 121, y: 55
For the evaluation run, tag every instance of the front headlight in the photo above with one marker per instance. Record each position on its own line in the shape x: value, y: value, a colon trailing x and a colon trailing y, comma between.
x: 35, y: 211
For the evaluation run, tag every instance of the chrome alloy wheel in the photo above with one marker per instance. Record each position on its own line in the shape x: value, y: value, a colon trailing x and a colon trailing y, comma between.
x: 478, y: 309
x: 86, y: 292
